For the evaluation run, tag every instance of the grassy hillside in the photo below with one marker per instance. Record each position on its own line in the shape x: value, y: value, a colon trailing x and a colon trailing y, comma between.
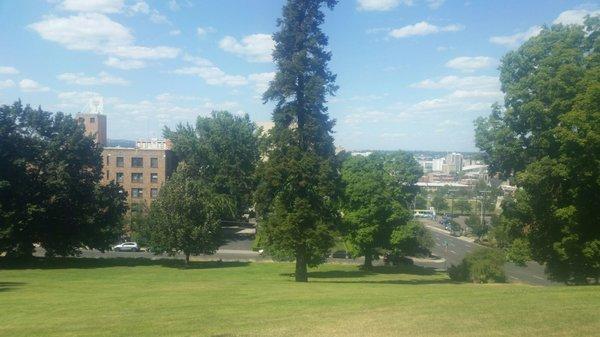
x: 122, y: 297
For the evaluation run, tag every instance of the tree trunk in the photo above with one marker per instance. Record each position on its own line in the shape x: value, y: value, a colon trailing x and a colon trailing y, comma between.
x: 187, y: 258
x: 368, y: 259
x: 301, y: 271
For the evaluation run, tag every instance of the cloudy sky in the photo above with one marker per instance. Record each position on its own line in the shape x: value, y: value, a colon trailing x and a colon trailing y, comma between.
x: 413, y: 74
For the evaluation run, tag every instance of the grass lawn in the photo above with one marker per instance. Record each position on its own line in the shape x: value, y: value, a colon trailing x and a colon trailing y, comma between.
x: 126, y: 297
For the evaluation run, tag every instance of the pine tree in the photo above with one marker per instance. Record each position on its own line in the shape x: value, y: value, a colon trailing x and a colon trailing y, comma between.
x: 300, y: 179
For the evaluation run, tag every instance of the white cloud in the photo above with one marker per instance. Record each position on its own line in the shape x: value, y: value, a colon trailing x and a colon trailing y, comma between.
x: 460, y: 83
x: 89, y: 31
x: 199, y: 61
x: 4, y: 70
x: 422, y: 28
x: 7, y: 84
x: 118, y: 63
x: 140, y: 52
x: 469, y: 64
x: 517, y: 38
x: 28, y: 85
x: 173, y: 5
x: 103, y: 78
x: 203, y: 31
x: 575, y: 16
x: 261, y: 81
x: 96, y: 6
x: 435, y: 4
x: 140, y: 7
x: 254, y: 48
x: 156, y: 17
x: 98, y: 33
x: 175, y: 32
x: 381, y: 5
x: 76, y: 99
x: 213, y: 75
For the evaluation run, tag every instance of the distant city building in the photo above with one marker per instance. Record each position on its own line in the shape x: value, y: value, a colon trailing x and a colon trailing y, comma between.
x: 437, y: 164
x: 454, y: 162
x: 140, y: 170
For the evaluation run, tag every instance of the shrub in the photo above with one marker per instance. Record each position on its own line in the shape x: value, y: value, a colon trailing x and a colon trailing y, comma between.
x: 481, y: 266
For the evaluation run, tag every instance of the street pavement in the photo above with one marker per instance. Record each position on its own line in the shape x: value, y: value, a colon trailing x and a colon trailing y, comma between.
x: 451, y: 250
x: 448, y: 250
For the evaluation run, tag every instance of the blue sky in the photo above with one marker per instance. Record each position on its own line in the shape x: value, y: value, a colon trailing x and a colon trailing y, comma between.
x: 413, y: 74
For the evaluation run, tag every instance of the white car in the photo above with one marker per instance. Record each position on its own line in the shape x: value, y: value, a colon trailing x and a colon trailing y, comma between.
x: 127, y: 247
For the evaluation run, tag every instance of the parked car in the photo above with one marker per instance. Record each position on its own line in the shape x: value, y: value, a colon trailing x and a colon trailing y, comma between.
x: 127, y: 247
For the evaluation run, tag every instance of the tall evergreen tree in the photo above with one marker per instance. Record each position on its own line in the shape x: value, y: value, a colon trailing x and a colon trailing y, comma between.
x: 300, y: 180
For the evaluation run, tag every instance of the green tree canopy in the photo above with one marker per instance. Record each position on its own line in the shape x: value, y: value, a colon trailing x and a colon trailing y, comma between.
x: 50, y: 191
x: 547, y: 139
x: 439, y: 202
x: 377, y: 195
x: 186, y: 216
x: 224, y: 149
x: 300, y: 179
x: 462, y: 205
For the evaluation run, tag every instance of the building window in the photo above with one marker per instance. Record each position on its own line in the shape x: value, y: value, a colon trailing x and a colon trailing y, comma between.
x: 119, y: 177
x: 92, y: 120
x: 154, y: 162
x: 107, y: 175
x: 120, y: 162
x: 154, y: 193
x: 137, y: 193
x: 107, y: 160
x: 137, y: 162
x: 154, y: 177
x: 137, y: 177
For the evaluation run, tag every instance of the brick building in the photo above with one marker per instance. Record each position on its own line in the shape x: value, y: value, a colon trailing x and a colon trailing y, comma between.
x: 140, y: 170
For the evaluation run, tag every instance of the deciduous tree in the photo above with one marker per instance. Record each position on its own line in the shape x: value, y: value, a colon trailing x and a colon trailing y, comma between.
x: 547, y: 139
x: 50, y: 191
x: 186, y: 216
x: 223, y: 149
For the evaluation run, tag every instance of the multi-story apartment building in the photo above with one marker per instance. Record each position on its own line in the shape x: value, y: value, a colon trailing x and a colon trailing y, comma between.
x: 140, y: 170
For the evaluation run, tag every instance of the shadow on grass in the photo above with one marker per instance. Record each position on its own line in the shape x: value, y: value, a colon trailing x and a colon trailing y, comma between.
x: 357, y: 275
x: 7, y: 286
x: 376, y: 270
x: 93, y: 263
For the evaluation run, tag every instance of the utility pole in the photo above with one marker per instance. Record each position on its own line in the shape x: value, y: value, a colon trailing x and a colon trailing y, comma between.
x: 482, y: 198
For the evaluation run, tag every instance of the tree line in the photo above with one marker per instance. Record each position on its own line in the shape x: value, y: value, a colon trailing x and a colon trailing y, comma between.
x: 545, y: 139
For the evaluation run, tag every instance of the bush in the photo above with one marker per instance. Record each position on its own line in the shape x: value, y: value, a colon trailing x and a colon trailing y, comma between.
x: 519, y: 252
x: 481, y: 266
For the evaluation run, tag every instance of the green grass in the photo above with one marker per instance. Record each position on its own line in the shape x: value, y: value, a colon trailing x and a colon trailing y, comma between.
x: 125, y: 297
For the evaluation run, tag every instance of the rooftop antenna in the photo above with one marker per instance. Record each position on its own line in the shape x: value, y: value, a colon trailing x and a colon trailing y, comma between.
x: 95, y: 106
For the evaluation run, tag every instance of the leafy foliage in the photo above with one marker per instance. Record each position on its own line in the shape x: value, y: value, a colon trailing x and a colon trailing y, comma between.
x: 462, y: 205
x: 378, y: 190
x: 547, y: 139
x: 477, y: 227
x: 412, y: 239
x: 224, y: 149
x: 49, y: 186
x: 299, y: 185
x: 186, y: 216
x: 519, y: 252
x: 480, y: 266
x: 439, y: 202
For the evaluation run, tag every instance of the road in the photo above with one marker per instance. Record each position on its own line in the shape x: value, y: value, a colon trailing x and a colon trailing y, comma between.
x: 239, y: 243
x: 458, y: 247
